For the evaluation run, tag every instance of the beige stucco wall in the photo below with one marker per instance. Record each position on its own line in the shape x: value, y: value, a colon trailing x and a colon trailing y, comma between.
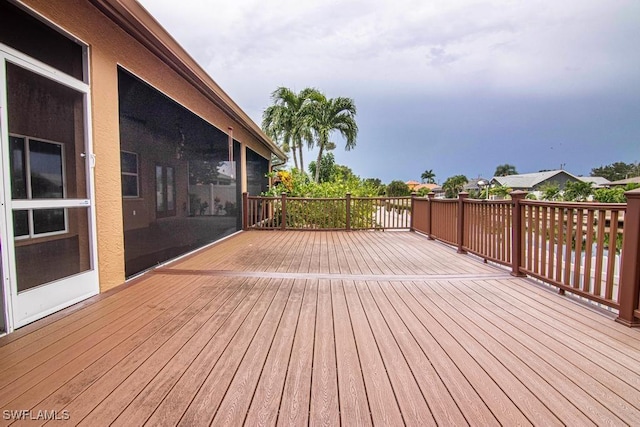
x: 109, y: 47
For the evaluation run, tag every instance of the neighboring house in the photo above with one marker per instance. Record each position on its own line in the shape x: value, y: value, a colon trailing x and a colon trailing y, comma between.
x: 433, y: 188
x: 473, y: 184
x: 534, y: 182
x: 430, y: 187
x: 412, y: 185
x: 109, y: 133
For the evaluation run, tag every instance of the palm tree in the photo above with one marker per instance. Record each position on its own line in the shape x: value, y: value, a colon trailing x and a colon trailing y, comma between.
x: 428, y: 176
x: 326, y: 115
x: 454, y: 185
x: 285, y: 121
x: 504, y: 170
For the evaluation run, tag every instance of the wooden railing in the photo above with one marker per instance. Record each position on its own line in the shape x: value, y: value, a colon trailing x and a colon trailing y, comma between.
x: 588, y: 249
x: 574, y: 246
x: 487, y: 230
x: 346, y: 213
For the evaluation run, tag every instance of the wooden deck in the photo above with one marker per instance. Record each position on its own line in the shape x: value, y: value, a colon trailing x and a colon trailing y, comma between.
x: 296, y: 328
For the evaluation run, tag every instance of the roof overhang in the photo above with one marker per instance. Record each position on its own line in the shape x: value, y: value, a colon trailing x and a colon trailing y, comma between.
x: 138, y: 23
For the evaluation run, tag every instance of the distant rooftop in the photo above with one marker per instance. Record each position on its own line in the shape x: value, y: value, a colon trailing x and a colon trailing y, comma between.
x: 634, y: 180
x: 528, y: 180
x: 598, y: 181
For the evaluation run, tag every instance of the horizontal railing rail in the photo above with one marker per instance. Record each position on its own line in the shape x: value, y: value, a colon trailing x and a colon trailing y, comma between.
x: 591, y: 250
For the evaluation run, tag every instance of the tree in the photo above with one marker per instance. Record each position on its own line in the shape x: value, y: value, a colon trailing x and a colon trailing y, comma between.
x: 453, y: 185
x: 428, y: 176
x: 505, y: 170
x: 286, y: 121
x: 376, y: 183
x: 550, y: 192
x: 577, y: 191
x: 327, y: 168
x: 397, y: 189
x: 423, y: 191
x: 613, y: 195
x: 500, y: 192
x: 617, y: 171
x: 326, y: 115
x: 343, y: 173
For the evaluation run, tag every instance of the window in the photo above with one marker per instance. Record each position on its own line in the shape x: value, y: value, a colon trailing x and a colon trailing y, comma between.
x: 129, y: 167
x: 165, y: 191
x: 37, y: 172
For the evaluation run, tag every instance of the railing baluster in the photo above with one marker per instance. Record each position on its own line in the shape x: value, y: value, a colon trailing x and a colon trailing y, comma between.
x: 588, y: 252
x: 528, y: 224
x: 560, y: 247
x: 597, y: 278
x: 611, y: 254
x: 552, y: 241
x: 535, y: 217
x: 577, y: 274
x: 568, y: 244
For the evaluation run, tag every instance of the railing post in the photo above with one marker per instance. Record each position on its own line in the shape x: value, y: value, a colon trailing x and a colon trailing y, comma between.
x: 629, y: 293
x: 413, y: 202
x: 516, y: 233
x: 461, y: 196
x: 245, y: 210
x: 348, y: 212
x: 431, y: 196
x: 283, y: 224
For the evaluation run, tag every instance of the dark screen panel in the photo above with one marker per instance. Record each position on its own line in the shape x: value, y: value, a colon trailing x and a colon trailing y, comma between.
x: 194, y: 200
x: 257, y: 170
x: 25, y: 33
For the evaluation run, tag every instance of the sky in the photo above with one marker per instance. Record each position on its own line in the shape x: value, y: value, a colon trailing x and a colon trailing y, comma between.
x: 453, y: 86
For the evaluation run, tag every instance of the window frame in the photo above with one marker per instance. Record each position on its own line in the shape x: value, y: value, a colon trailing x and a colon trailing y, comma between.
x: 29, y: 190
x: 136, y: 174
x: 164, y: 193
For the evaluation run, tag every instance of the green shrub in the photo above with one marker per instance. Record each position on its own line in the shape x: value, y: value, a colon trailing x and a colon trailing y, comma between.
x: 398, y: 189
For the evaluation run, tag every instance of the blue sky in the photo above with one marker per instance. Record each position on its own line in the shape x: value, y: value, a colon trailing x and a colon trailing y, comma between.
x: 455, y: 86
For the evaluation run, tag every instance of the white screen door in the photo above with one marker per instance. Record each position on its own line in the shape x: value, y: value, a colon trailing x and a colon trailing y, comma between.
x: 48, y: 220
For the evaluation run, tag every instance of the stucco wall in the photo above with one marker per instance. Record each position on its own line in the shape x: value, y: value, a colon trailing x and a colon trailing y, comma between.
x: 109, y: 47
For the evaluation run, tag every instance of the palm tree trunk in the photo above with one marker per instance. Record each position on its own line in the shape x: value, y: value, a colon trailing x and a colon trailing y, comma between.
x: 318, y: 162
x: 295, y: 158
x: 300, y: 152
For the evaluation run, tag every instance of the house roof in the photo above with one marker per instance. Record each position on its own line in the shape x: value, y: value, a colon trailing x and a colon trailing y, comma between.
x: 472, y: 183
x: 138, y: 23
x: 431, y: 187
x: 598, y: 181
x: 634, y: 180
x: 528, y: 180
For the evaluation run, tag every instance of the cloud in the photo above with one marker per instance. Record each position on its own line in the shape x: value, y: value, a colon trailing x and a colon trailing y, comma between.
x: 473, y: 75
x: 436, y: 46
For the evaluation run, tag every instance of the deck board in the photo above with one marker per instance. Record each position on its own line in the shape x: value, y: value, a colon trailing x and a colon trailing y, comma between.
x: 324, y: 384
x: 333, y: 328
